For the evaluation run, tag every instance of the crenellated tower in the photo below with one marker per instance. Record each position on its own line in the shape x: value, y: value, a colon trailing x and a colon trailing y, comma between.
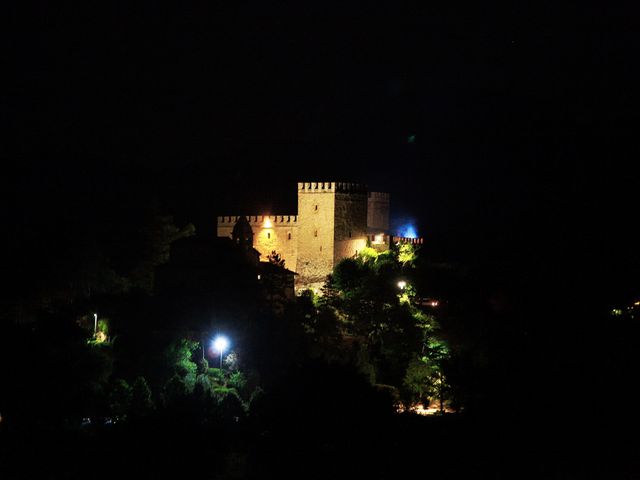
x: 334, y: 221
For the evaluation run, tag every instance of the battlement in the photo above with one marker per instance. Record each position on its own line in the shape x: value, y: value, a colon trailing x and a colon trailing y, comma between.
x: 343, y: 187
x: 259, y: 220
x: 412, y: 241
x: 383, y: 196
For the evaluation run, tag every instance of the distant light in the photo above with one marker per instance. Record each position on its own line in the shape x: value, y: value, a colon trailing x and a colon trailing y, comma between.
x: 637, y: 303
x: 258, y: 276
x: 434, y: 303
x: 408, y: 231
x: 267, y: 223
x: 402, y: 284
x: 221, y: 343
x: 379, y: 238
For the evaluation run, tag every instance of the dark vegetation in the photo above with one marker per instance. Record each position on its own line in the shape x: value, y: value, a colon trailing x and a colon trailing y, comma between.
x: 311, y: 387
x: 509, y: 132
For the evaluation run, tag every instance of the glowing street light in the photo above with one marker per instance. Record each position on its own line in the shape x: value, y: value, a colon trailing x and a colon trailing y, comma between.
x: 221, y: 343
x: 402, y: 284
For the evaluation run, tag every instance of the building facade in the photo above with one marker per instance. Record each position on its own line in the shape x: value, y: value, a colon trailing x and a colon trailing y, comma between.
x: 335, y: 220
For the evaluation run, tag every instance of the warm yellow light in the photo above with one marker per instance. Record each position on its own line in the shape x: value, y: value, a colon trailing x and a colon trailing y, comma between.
x: 267, y: 223
x: 402, y: 284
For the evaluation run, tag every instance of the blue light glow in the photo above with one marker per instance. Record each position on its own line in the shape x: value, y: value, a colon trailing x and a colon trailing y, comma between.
x: 408, y: 231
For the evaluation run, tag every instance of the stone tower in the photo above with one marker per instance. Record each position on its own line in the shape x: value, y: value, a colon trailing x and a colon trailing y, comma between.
x: 334, y: 222
x: 332, y: 225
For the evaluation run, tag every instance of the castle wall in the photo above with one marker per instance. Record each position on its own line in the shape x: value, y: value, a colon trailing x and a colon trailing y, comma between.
x: 378, y: 211
x: 270, y: 232
x: 316, y: 206
x: 334, y: 221
x: 350, y: 224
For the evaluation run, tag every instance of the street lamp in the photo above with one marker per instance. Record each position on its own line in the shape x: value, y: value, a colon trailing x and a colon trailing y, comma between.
x: 221, y: 343
x: 402, y: 284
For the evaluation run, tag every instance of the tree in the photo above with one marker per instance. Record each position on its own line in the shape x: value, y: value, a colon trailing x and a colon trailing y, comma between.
x: 141, y: 399
x: 399, y: 344
x: 274, y: 258
x: 120, y: 398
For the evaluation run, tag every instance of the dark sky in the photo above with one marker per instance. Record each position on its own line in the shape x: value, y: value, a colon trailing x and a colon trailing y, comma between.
x: 524, y: 120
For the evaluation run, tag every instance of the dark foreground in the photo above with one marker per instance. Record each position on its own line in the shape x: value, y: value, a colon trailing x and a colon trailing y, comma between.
x: 400, y: 446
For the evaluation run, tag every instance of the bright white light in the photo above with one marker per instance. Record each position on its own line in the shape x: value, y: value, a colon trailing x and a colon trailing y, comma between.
x: 267, y: 223
x: 402, y: 284
x: 220, y: 343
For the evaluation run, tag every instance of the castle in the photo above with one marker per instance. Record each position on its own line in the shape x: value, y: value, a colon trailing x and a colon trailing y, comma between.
x: 335, y: 220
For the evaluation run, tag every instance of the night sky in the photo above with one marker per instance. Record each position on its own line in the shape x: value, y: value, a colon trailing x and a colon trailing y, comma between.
x: 505, y: 132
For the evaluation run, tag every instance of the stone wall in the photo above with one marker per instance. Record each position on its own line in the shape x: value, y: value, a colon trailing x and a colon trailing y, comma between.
x: 331, y: 225
x: 270, y: 232
x: 378, y: 211
x: 316, y: 207
x: 350, y: 224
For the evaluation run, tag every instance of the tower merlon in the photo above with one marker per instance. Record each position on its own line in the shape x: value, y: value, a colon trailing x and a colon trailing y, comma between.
x: 316, y: 186
x: 258, y: 220
x: 382, y: 196
x: 413, y: 241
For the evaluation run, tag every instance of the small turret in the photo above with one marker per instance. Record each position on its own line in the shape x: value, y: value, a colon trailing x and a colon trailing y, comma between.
x: 242, y: 233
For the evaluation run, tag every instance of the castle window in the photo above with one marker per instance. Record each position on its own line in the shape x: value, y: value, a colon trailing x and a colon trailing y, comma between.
x: 268, y: 234
x: 316, y: 207
x: 320, y: 247
x: 349, y: 233
x: 315, y: 233
x: 289, y: 236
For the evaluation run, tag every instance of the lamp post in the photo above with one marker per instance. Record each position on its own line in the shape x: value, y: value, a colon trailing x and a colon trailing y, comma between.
x: 221, y: 343
x: 95, y: 324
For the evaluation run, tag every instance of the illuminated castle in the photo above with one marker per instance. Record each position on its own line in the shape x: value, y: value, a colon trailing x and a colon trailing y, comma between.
x: 335, y: 220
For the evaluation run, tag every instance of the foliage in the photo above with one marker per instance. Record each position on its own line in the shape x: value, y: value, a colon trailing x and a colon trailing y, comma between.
x: 238, y: 381
x: 141, y: 400
x: 274, y: 258
x: 399, y: 344
x: 179, y: 356
x: 407, y: 254
x: 119, y: 398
